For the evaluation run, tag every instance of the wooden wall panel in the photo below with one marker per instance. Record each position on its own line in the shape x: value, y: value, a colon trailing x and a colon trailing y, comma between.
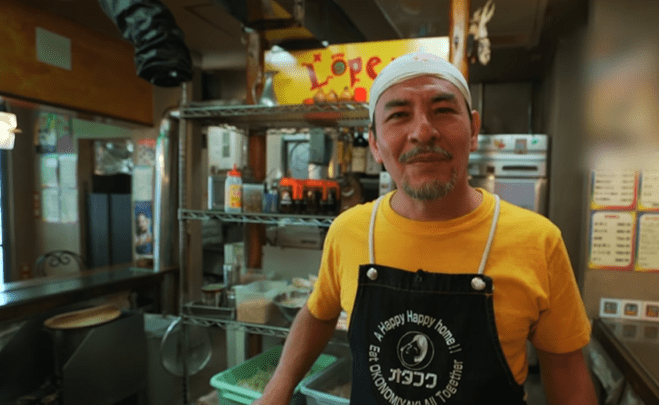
x: 102, y: 78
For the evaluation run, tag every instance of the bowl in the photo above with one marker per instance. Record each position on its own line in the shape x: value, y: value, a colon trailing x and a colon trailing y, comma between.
x: 290, y: 302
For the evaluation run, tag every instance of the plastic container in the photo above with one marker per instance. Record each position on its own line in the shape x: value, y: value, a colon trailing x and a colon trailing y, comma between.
x: 212, y: 294
x: 233, y: 191
x: 252, y: 197
x: 316, y: 387
x: 228, y: 382
x: 254, y: 301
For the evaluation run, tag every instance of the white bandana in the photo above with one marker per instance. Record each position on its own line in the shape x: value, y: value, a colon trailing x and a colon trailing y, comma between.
x: 412, y: 65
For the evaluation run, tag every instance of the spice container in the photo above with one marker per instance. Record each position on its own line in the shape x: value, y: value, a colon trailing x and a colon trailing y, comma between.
x: 252, y: 197
x: 232, y: 191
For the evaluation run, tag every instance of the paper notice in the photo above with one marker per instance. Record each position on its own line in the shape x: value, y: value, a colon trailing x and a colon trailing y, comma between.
x: 49, y: 164
x: 648, y: 242
x: 50, y: 204
x: 143, y: 183
x: 649, y: 194
x: 612, y: 239
x: 68, y: 171
x: 68, y: 205
x: 614, y: 189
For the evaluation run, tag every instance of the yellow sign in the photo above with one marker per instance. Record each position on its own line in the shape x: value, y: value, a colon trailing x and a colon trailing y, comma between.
x: 347, y: 69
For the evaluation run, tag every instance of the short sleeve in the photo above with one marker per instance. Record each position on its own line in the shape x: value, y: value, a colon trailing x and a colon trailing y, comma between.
x: 325, y: 301
x: 563, y: 326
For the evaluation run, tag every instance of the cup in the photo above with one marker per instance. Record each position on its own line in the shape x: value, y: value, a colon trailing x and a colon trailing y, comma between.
x: 231, y: 274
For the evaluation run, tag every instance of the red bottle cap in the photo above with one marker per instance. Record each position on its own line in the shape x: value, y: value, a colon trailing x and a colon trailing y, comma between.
x: 234, y: 172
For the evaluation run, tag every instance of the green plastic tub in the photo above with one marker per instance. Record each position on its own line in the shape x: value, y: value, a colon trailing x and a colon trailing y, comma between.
x: 228, y: 382
x: 316, y: 388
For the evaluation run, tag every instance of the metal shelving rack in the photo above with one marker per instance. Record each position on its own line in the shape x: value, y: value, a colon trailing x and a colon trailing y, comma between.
x: 346, y: 114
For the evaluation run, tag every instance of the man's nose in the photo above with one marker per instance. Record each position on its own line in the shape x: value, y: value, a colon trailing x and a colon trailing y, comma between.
x: 423, y: 131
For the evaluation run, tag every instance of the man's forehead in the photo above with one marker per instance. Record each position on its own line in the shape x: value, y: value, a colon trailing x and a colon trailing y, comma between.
x: 437, y: 88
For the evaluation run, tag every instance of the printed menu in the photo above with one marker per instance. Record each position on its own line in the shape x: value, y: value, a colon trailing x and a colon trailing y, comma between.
x: 612, y: 239
x: 649, y: 191
x: 614, y: 189
x: 647, y: 256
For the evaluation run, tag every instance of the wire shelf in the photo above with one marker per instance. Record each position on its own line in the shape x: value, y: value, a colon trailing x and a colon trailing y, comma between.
x: 192, y: 315
x: 297, y: 115
x: 258, y: 218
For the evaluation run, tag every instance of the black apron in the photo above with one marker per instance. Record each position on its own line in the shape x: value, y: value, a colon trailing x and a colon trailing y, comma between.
x: 421, y: 338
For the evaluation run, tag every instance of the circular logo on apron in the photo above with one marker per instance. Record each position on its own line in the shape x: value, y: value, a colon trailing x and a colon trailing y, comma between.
x: 415, y: 357
x: 415, y: 350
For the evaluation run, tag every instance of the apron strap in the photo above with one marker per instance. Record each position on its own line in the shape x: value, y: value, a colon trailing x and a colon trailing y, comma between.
x: 486, y: 252
x: 493, y: 228
x: 371, y: 230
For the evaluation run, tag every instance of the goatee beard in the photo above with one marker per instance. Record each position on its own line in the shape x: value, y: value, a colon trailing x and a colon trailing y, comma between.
x: 434, y: 190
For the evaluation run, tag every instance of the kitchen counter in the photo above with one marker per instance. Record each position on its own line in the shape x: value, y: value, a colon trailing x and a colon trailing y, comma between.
x: 26, y: 298
x: 634, y: 348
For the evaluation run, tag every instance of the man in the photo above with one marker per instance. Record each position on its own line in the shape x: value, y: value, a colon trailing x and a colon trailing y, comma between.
x: 443, y: 283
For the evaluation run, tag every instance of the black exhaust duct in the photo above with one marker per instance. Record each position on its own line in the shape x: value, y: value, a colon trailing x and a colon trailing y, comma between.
x: 161, y: 56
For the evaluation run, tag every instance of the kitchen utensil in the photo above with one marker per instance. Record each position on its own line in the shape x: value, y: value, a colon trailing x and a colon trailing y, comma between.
x: 174, y: 355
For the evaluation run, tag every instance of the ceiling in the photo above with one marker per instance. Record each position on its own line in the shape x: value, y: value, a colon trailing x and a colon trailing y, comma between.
x: 521, y: 29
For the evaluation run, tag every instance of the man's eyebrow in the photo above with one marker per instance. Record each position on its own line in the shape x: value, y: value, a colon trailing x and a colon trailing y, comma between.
x: 396, y: 103
x: 404, y: 103
x: 443, y: 97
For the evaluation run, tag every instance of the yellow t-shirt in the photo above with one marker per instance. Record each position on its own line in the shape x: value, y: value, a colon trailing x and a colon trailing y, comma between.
x: 535, y: 294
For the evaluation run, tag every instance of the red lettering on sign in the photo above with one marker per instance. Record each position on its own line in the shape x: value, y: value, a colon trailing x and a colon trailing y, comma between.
x: 372, y: 62
x: 316, y: 57
x: 338, y: 55
x: 355, y: 67
x: 314, y: 79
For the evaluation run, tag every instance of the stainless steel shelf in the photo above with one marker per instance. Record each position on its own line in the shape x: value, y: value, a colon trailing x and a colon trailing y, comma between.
x: 339, y: 338
x: 258, y: 218
x: 349, y: 114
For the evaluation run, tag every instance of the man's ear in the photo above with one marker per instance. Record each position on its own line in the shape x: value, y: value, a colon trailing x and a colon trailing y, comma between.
x: 475, y: 129
x: 372, y: 142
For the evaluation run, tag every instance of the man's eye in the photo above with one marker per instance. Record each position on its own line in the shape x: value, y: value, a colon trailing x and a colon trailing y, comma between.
x: 397, y: 114
x: 444, y: 110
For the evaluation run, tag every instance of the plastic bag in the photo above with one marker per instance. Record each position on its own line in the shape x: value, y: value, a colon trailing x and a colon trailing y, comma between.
x: 161, y: 56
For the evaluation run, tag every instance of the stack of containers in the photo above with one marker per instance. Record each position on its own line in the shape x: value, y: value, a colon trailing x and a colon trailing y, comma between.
x: 244, y: 383
x: 319, y: 388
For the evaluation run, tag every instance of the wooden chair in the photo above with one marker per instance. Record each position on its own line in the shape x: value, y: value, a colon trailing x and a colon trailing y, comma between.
x: 59, y: 262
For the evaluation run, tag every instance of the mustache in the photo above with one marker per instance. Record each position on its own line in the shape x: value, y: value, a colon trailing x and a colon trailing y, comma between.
x: 418, y: 150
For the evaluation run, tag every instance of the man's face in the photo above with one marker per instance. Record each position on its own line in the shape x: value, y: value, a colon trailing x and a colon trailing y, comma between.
x: 143, y: 222
x: 424, y: 136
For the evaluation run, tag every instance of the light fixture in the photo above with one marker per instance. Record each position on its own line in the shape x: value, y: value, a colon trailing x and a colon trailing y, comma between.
x: 8, y: 130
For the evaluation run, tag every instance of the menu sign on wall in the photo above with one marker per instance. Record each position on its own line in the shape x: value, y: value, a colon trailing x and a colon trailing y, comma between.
x: 614, y: 189
x: 649, y: 193
x: 612, y: 239
x: 647, y: 256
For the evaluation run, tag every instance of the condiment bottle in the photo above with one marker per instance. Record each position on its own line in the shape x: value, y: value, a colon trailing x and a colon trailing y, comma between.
x: 359, y: 152
x: 233, y: 191
x: 286, y: 196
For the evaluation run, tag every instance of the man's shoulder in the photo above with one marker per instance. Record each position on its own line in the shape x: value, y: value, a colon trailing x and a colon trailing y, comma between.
x: 357, y: 216
x: 525, y: 220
